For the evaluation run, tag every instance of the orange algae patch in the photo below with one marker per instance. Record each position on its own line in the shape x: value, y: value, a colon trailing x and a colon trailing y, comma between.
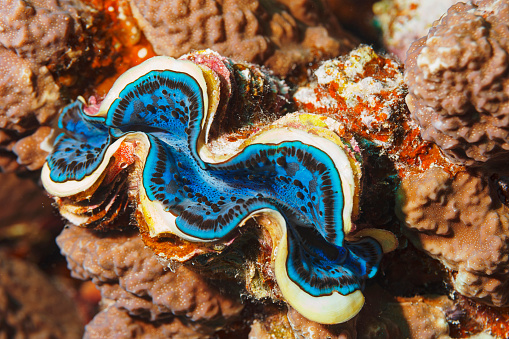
x: 122, y: 45
x: 123, y: 157
x: 173, y: 247
x: 365, y: 93
x: 418, y: 155
x: 362, y: 91
x: 476, y: 318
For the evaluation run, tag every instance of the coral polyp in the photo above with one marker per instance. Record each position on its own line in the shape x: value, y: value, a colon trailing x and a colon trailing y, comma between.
x: 149, y: 143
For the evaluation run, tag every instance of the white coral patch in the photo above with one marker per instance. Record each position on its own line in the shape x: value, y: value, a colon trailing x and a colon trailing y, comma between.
x: 346, y: 73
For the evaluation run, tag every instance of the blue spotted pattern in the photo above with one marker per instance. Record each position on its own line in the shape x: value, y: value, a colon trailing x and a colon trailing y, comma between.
x: 298, y: 180
x: 79, y: 149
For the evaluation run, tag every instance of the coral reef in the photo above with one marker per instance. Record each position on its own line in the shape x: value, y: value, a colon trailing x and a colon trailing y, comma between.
x: 458, y: 217
x: 404, y: 21
x: 27, y: 100
x: 280, y: 34
x: 29, y: 310
x: 113, y: 322
x: 28, y: 223
x: 217, y: 200
x: 457, y: 79
x: 141, y: 297
x: 43, y: 31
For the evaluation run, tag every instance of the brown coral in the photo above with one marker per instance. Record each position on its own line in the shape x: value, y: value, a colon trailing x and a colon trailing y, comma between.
x: 273, y: 323
x: 304, y: 328
x: 36, y: 39
x: 415, y: 317
x: 31, y: 306
x: 28, y: 224
x: 30, y: 150
x: 254, y: 31
x: 458, y: 84
x: 115, y: 323
x: 461, y: 221
x: 41, y: 31
x: 29, y: 95
x: 132, y: 279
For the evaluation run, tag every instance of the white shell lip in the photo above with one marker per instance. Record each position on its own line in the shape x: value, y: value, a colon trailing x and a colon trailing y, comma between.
x: 334, y: 308
x: 157, y: 63
x: 72, y: 187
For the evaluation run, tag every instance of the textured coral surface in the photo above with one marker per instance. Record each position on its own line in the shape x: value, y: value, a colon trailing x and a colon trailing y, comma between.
x: 133, y: 280
x: 28, y: 223
x: 404, y: 21
x: 462, y: 222
x: 38, y: 39
x: 412, y: 317
x: 458, y: 83
x: 283, y: 35
x: 33, y: 310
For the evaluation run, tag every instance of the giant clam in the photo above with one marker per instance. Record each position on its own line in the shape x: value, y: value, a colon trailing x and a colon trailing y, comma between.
x: 151, y: 137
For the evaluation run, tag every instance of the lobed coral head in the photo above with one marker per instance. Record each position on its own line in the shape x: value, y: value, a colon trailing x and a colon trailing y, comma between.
x: 458, y: 84
x: 461, y: 221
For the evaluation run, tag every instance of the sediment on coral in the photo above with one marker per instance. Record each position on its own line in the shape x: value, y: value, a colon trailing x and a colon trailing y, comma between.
x: 458, y: 83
